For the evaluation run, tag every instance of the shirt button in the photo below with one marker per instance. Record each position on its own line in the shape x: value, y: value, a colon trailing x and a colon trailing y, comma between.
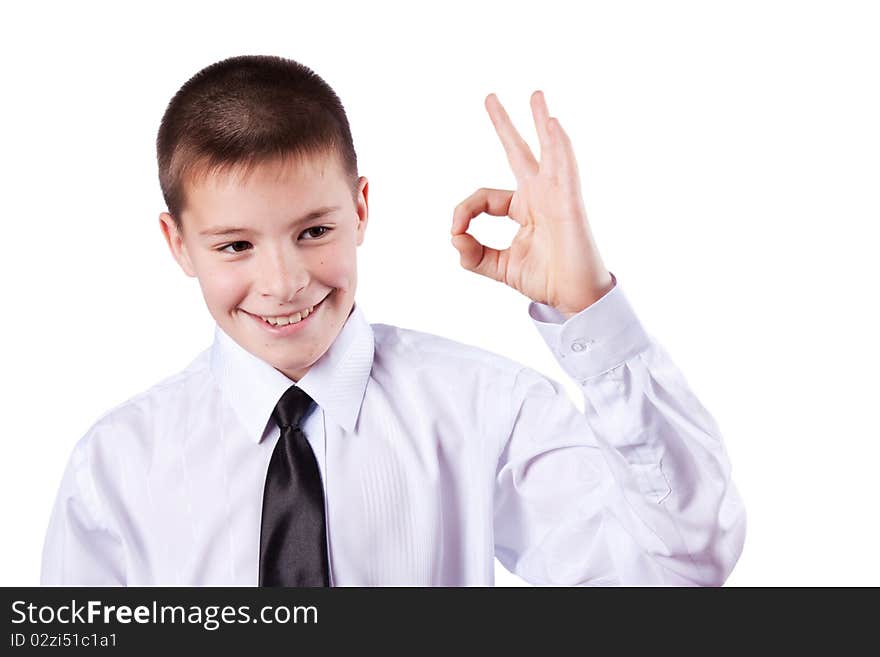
x: 580, y: 345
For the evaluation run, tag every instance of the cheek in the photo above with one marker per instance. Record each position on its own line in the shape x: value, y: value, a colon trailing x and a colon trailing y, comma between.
x: 223, y: 285
x: 337, y: 268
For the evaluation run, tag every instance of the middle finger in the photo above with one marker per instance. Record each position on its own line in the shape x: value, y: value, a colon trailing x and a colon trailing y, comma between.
x: 519, y: 155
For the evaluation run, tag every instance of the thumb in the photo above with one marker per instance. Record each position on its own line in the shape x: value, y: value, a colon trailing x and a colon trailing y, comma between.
x: 477, y: 257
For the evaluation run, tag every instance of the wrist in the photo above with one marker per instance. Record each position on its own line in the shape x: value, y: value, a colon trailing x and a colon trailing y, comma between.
x: 589, y: 295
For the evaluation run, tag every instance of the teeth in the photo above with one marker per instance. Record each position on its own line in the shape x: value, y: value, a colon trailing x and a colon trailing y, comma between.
x: 290, y: 319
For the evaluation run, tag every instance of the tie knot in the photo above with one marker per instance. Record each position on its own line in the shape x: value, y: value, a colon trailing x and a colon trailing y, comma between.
x: 292, y: 407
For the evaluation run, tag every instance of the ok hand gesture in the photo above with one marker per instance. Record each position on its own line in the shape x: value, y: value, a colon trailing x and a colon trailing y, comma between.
x: 553, y: 258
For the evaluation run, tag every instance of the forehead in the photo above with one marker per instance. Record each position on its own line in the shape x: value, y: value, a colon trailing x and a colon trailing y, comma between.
x: 267, y: 189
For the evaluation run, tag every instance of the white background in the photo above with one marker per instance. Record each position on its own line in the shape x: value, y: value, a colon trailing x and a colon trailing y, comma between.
x: 730, y: 159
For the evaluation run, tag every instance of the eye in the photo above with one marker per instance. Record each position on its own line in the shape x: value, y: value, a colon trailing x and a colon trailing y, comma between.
x: 323, y: 231
x: 237, y: 247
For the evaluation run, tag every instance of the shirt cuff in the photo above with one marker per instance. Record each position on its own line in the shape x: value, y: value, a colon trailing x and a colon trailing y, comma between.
x: 597, y: 339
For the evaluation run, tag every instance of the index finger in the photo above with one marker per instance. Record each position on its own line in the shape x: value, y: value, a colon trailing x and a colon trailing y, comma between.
x: 520, y: 156
x: 491, y: 201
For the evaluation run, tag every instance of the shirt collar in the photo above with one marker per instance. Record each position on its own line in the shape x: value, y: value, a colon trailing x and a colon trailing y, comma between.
x: 336, y: 381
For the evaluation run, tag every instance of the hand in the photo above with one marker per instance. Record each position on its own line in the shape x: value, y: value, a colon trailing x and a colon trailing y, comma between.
x: 553, y: 258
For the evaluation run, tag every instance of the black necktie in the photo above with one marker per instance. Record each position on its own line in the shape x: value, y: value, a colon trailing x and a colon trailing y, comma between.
x: 293, y: 538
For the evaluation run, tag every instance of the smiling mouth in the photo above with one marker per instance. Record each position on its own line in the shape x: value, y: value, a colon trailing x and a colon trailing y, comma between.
x: 284, y: 320
x: 278, y: 321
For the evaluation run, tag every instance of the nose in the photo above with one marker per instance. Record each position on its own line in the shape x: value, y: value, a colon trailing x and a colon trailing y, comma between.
x: 282, y: 274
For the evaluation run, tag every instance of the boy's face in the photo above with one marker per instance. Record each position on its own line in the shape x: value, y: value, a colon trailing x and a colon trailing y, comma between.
x: 275, y: 257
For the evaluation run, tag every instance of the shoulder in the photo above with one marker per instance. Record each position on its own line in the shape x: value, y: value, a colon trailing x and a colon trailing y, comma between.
x: 455, y: 365
x: 132, y: 424
x: 445, y: 378
x: 405, y: 348
x: 120, y: 446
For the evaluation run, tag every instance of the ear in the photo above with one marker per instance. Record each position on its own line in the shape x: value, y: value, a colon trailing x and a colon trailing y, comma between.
x: 362, y: 208
x: 174, y: 238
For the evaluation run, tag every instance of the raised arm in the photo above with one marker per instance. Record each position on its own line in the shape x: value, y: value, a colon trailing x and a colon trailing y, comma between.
x: 636, y: 490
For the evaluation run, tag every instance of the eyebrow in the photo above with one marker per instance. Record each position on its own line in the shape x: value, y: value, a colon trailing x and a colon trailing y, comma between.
x: 217, y: 231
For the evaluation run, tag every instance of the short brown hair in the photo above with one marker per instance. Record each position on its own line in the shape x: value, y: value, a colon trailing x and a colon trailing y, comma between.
x: 244, y: 111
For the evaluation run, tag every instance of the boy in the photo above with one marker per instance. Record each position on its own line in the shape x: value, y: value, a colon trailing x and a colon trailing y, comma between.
x: 308, y: 447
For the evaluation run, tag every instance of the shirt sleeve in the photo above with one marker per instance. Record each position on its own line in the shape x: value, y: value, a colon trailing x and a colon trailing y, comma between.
x: 81, y: 548
x: 637, y: 489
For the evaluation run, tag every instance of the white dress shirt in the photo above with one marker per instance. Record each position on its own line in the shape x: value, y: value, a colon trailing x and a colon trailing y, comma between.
x: 435, y: 458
